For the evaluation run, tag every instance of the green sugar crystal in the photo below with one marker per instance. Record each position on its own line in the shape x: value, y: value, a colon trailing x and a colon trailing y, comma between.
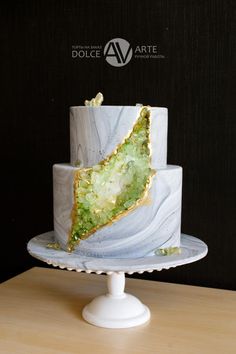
x: 108, y: 190
x: 168, y: 251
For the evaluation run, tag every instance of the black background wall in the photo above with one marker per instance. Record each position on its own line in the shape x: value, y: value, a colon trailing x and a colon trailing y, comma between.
x: 40, y: 80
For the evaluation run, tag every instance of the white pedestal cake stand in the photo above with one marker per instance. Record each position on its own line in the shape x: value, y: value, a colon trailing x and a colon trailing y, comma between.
x: 116, y: 309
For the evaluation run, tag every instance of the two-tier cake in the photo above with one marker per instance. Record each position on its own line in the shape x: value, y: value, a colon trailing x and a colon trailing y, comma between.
x: 117, y: 198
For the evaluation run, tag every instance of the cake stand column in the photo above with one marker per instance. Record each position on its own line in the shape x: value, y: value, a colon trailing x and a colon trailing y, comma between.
x: 116, y: 309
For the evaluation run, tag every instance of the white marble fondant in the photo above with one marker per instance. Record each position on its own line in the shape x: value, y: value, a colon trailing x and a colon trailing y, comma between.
x: 138, y: 234
x: 96, y: 131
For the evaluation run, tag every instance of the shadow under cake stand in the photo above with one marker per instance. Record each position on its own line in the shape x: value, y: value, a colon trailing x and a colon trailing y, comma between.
x: 116, y: 309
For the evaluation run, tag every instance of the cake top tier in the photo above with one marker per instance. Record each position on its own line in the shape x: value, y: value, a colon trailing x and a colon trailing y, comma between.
x: 96, y: 131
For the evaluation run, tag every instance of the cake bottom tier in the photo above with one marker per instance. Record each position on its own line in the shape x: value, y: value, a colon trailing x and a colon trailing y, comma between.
x: 151, y: 226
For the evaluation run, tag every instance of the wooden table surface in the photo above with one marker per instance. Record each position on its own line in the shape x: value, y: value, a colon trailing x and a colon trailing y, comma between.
x: 40, y: 312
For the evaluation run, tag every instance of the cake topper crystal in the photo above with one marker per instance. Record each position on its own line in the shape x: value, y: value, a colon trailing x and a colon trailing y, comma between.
x: 95, y: 102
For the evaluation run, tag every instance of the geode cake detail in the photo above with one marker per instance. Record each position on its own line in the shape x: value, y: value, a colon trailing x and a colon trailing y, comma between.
x: 151, y: 225
x: 109, y: 190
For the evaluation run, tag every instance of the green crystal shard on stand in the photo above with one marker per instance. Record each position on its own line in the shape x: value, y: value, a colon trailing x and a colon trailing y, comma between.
x: 168, y: 251
x: 109, y: 190
x: 54, y: 245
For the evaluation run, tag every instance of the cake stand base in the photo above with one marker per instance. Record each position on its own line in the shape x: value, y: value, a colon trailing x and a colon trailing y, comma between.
x: 116, y: 309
